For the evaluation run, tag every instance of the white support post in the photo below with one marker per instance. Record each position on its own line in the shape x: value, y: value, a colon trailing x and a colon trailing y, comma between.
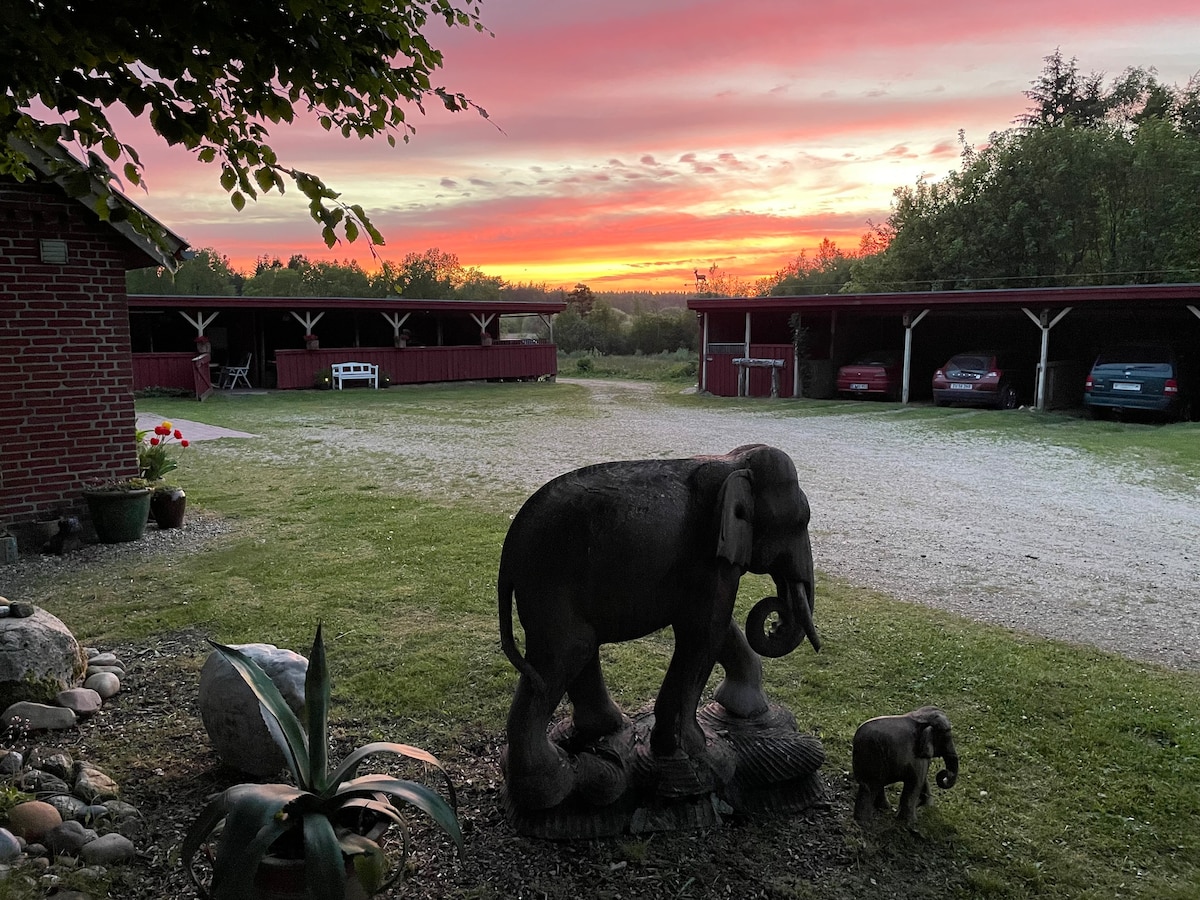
x: 746, y: 348
x: 1195, y: 311
x: 1045, y: 323
x: 704, y: 354
x: 396, y: 321
x: 199, y: 321
x: 909, y: 324
x: 308, y: 320
x: 797, y: 386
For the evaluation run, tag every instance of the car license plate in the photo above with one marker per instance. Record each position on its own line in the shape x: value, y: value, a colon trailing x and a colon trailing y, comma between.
x: 1126, y: 386
x: 955, y: 386
x: 858, y: 386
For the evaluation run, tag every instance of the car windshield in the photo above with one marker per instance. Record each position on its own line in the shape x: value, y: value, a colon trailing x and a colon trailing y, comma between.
x: 970, y: 363
x: 1135, y: 355
x: 875, y: 359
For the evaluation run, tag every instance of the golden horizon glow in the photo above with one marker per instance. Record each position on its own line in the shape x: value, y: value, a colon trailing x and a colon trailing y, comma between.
x: 630, y: 143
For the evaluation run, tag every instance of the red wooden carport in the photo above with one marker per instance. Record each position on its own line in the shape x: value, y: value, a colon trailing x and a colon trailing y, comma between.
x: 290, y: 341
x: 840, y: 326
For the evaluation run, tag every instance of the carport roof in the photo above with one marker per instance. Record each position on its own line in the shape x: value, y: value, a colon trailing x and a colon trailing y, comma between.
x: 500, y: 307
x: 914, y: 300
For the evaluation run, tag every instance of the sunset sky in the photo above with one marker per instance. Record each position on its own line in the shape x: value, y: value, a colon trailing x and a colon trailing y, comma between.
x: 632, y: 142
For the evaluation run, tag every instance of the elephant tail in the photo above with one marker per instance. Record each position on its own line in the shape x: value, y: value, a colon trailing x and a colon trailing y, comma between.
x: 508, y: 642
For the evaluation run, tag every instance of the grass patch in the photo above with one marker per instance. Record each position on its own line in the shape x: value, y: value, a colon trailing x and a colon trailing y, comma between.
x: 1080, y: 771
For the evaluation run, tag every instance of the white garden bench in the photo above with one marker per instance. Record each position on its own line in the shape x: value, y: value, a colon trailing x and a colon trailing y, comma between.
x: 355, y: 371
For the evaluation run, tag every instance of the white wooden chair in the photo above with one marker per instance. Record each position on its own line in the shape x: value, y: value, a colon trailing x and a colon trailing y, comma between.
x: 231, y: 375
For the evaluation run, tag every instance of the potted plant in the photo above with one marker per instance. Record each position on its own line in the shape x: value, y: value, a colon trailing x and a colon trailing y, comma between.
x: 118, y: 508
x: 318, y: 834
x: 155, y: 461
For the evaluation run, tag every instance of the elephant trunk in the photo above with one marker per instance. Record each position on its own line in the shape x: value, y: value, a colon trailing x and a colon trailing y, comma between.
x: 949, y: 775
x: 795, y: 621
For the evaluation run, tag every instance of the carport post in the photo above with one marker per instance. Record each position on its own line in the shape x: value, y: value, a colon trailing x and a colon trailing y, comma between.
x: 1045, y: 323
x: 1195, y: 311
x: 909, y: 324
x: 704, y: 354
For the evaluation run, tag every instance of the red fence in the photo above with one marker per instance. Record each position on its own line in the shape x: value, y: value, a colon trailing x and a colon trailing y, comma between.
x: 417, y: 365
x: 722, y: 375
x: 183, y: 371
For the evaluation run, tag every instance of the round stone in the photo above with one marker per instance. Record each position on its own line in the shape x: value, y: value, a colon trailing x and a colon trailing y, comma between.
x: 10, y: 847
x: 231, y: 713
x: 38, y: 658
x: 106, y: 684
x: 33, y: 819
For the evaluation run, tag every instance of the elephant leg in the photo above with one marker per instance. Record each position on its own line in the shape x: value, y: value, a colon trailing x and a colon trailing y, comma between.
x: 864, y: 803
x: 595, y: 713
x: 914, y: 782
x: 675, y: 725
x: 538, y: 774
x: 741, y: 692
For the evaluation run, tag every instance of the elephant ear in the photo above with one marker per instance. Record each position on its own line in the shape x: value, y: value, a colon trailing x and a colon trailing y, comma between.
x: 735, y: 510
x: 924, y: 746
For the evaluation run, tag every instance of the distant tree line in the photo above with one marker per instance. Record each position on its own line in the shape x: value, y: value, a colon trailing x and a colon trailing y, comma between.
x: 1094, y: 184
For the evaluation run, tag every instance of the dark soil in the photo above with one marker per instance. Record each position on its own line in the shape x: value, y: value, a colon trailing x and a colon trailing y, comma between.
x: 151, y: 739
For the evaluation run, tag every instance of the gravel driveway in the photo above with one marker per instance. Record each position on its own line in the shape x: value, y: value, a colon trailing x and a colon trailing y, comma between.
x: 1035, y: 537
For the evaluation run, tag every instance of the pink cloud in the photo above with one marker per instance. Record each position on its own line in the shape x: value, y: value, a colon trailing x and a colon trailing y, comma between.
x: 634, y: 132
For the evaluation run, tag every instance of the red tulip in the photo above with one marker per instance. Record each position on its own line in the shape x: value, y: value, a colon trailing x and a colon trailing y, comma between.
x: 178, y: 434
x: 183, y: 443
x: 153, y: 442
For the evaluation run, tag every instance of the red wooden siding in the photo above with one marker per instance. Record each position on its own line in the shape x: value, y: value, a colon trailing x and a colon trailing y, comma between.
x: 723, y: 374
x: 418, y: 365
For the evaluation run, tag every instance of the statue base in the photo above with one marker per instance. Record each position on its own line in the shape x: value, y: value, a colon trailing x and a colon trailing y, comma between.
x: 754, y: 768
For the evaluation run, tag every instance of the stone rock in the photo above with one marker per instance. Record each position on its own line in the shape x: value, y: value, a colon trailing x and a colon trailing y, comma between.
x: 231, y: 713
x: 32, y: 819
x: 56, y: 762
x: 81, y: 701
x: 31, y: 716
x: 10, y: 847
x: 108, y: 849
x: 21, y: 610
x: 99, y: 670
x: 121, y: 811
x: 106, y: 684
x: 35, y: 781
x: 10, y: 762
x: 94, y: 786
x: 38, y: 658
x: 68, y: 807
x: 105, y: 659
x: 69, y: 838
x: 94, y: 813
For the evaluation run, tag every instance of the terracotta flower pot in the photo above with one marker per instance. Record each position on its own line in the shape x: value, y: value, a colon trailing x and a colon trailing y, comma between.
x: 167, y: 506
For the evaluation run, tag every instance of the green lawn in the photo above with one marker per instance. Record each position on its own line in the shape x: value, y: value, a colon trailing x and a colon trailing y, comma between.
x: 1080, y: 770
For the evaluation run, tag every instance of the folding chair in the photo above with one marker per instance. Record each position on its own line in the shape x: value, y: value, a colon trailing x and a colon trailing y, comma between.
x: 231, y: 375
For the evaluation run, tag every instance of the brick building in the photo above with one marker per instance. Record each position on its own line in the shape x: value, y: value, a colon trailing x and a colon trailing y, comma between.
x: 66, y: 376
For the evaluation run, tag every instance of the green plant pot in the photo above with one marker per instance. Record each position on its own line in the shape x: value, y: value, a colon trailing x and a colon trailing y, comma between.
x: 119, y: 516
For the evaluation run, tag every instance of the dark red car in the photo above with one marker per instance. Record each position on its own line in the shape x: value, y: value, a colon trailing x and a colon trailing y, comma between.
x: 873, y: 375
x: 982, y: 378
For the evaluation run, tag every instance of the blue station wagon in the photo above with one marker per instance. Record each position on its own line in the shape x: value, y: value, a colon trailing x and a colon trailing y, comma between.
x: 1151, y: 378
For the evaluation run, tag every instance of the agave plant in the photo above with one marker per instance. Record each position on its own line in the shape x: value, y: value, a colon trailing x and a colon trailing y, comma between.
x: 314, y: 819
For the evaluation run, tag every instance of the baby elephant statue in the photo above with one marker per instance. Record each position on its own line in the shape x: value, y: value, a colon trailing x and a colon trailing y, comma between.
x: 888, y: 749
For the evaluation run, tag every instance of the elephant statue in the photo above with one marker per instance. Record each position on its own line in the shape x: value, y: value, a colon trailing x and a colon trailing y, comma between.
x: 616, y: 551
x: 888, y: 749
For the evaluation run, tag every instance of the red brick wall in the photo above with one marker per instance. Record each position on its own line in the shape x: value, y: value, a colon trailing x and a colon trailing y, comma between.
x: 66, y: 383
